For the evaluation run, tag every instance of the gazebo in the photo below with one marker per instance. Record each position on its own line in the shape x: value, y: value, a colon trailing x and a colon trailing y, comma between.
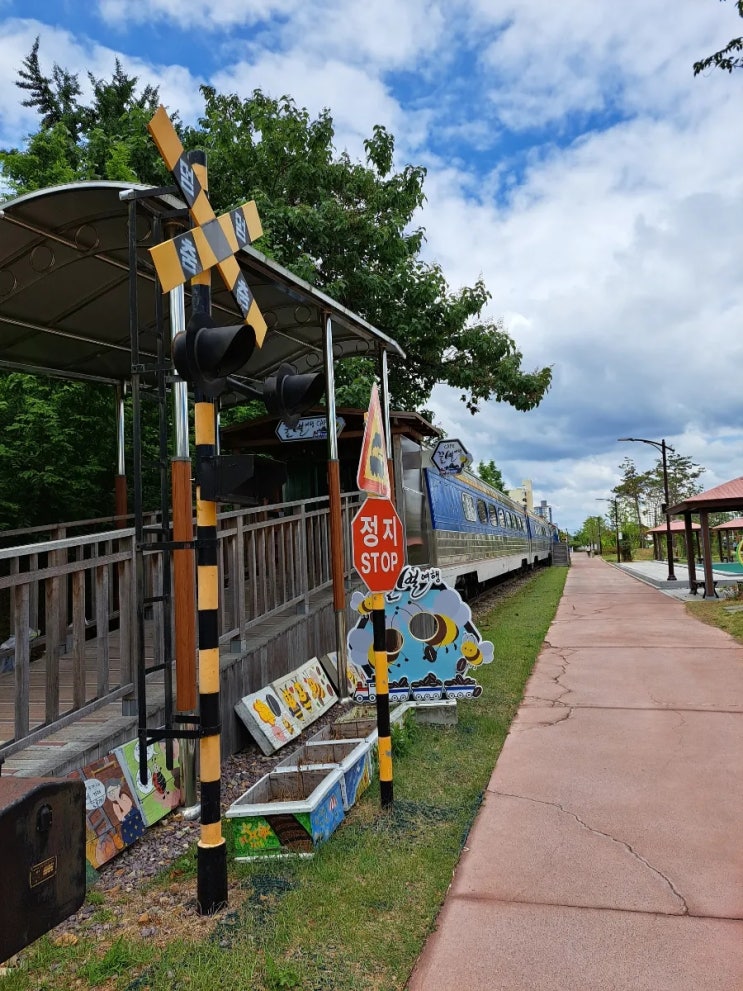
x: 724, y: 498
x: 728, y: 529
x: 658, y: 532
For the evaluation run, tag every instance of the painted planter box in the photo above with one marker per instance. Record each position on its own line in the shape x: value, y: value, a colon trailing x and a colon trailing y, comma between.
x: 352, y: 756
x: 351, y: 729
x: 289, y: 812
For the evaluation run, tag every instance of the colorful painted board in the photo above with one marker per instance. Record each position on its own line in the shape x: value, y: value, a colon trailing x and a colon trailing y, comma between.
x: 161, y: 792
x: 113, y: 820
x: 287, y: 813
x: 279, y: 712
x: 432, y: 641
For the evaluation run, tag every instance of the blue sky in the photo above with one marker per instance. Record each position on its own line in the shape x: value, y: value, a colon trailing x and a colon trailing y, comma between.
x: 573, y: 161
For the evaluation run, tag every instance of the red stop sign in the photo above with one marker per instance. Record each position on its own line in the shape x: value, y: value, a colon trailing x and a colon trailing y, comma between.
x: 378, y: 544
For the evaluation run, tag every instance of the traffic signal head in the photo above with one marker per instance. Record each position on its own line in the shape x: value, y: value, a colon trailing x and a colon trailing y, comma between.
x: 206, y: 355
x: 289, y: 395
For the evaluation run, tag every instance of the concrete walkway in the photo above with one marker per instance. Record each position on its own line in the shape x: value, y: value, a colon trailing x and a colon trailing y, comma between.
x: 608, y: 853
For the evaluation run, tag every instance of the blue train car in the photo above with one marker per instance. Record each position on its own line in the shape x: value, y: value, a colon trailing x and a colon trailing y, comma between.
x: 478, y: 533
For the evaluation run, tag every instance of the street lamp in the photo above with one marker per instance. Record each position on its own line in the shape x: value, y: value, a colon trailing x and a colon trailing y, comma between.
x: 615, y: 500
x: 662, y: 447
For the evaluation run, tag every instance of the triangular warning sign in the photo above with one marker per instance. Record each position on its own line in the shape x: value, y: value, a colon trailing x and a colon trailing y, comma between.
x: 373, y: 475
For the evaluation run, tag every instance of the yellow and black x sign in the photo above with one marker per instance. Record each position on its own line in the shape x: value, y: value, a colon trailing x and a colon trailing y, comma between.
x: 214, y: 240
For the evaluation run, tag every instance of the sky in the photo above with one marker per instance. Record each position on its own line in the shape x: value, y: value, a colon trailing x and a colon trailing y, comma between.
x: 573, y: 161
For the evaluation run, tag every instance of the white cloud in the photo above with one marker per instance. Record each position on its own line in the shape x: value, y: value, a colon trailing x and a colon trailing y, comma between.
x: 574, y: 162
x: 358, y: 100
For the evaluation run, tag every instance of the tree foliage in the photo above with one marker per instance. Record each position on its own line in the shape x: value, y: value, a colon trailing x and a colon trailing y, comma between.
x: 643, y: 494
x: 726, y: 58
x: 106, y: 139
x: 348, y: 227
x: 491, y: 474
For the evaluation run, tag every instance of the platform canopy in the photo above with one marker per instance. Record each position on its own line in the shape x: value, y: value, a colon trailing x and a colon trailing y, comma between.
x: 65, y: 291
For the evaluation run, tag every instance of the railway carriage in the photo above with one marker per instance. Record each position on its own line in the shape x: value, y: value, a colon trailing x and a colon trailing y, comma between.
x: 470, y: 531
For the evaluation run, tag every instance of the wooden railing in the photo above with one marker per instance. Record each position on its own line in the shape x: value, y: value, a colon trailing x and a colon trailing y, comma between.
x: 69, y: 606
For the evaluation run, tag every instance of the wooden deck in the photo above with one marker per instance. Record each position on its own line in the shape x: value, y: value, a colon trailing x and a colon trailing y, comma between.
x: 277, y: 645
x: 72, y: 665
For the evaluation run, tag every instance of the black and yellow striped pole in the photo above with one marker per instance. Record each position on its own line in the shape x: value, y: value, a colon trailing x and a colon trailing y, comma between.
x: 383, y: 698
x: 211, y: 881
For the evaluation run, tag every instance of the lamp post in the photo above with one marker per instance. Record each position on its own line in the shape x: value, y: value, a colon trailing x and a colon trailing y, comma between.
x: 615, y: 500
x: 598, y: 519
x: 662, y: 447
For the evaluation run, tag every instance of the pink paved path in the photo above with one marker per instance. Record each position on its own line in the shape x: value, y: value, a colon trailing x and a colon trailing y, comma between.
x: 608, y: 853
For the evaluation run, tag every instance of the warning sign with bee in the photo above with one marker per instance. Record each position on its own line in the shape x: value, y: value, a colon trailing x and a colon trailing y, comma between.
x: 373, y: 475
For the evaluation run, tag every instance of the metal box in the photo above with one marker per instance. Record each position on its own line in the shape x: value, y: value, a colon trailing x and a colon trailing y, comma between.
x: 42, y: 857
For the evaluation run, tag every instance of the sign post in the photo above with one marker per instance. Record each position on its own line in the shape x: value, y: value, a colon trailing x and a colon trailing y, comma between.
x: 378, y: 556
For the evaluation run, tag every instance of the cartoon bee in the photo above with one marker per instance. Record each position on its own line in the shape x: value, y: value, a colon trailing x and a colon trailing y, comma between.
x: 264, y: 712
x: 302, y: 695
x: 316, y: 689
x: 292, y: 703
x: 474, y: 654
x: 446, y: 632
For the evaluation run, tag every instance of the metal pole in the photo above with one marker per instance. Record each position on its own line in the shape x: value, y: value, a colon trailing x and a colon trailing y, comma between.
x: 336, y: 516
x: 183, y: 569
x: 120, y: 506
x: 381, y: 677
x: 669, y: 535
x: 211, y: 853
x: 616, y: 524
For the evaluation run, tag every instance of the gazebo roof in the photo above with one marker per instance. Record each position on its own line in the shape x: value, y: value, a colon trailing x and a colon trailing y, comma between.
x: 725, y: 497
x: 736, y: 524
x: 677, y: 526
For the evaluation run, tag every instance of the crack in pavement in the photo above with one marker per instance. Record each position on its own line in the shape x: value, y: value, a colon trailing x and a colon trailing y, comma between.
x: 599, y: 832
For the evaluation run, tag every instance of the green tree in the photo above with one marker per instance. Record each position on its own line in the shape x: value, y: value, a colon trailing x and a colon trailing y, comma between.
x: 345, y: 226
x: 349, y: 228
x: 57, y: 459
x: 631, y: 489
x: 107, y: 139
x: 45, y: 426
x: 726, y: 58
x: 492, y: 475
x: 683, y: 475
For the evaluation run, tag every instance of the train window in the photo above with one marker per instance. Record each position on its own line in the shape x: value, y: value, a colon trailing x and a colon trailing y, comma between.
x: 502, y: 517
x: 468, y: 505
x: 493, y: 514
x: 482, y: 511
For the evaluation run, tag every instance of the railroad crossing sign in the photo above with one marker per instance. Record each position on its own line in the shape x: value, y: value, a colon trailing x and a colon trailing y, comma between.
x: 373, y: 475
x: 213, y: 241
x: 451, y: 457
x: 377, y: 544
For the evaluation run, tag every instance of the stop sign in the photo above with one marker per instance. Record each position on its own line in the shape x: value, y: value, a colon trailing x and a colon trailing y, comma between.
x: 377, y: 543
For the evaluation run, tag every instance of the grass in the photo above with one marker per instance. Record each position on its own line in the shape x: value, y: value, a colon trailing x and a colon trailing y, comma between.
x: 715, y: 613
x: 356, y: 915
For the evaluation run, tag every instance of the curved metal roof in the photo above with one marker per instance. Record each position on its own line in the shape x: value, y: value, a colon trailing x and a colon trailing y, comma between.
x: 64, y: 290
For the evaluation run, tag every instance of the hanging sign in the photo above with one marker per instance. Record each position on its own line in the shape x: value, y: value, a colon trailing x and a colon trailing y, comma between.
x: 308, y: 428
x: 451, y: 457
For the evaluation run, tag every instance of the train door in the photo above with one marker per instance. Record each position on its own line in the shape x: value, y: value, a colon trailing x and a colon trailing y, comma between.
x: 417, y: 527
